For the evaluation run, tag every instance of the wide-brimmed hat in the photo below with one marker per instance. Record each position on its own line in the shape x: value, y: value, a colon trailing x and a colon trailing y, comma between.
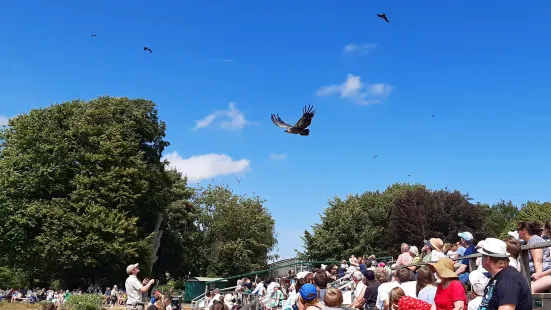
x: 494, y: 247
x: 436, y: 243
x: 444, y: 267
x: 480, y: 244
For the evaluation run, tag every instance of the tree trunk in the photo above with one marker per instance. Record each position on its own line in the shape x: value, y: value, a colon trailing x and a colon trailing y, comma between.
x: 156, y: 242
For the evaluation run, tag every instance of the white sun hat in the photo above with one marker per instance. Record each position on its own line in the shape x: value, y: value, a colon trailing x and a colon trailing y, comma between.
x: 494, y: 247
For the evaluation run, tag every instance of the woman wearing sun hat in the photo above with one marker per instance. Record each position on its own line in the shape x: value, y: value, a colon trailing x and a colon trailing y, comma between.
x: 450, y: 294
x: 308, y: 298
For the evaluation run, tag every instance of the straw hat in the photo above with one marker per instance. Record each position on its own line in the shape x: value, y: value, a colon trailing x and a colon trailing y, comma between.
x: 436, y: 243
x: 444, y: 268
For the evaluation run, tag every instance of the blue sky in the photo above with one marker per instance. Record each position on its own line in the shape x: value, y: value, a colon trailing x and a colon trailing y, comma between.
x: 482, y: 67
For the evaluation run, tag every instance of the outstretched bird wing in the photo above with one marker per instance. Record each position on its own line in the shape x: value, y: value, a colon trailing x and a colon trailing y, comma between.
x: 306, y: 119
x: 279, y: 123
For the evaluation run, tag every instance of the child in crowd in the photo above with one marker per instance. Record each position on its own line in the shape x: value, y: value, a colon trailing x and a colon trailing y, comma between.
x: 478, y: 281
x: 333, y: 299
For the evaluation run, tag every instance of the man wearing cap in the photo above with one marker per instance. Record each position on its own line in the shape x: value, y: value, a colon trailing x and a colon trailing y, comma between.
x: 463, y: 271
x: 507, y: 288
x: 135, y: 288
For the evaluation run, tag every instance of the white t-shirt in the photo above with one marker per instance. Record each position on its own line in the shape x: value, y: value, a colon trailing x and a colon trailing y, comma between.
x: 358, y: 290
x: 382, y: 293
x: 435, y: 255
x: 475, y: 303
x: 410, y: 288
x: 427, y: 294
x: 513, y: 263
x: 133, y: 287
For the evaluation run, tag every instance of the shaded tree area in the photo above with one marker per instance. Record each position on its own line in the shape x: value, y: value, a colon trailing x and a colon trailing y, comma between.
x: 378, y: 222
x: 84, y: 193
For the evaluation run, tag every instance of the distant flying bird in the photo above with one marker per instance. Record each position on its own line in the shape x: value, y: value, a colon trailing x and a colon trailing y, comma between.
x: 375, y: 156
x: 383, y: 16
x: 147, y: 49
x: 409, y: 175
x: 300, y: 126
x: 238, y: 180
x: 433, y: 115
x: 93, y: 35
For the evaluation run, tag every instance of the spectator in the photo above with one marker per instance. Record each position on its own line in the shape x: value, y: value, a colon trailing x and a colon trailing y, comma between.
x: 452, y: 253
x: 394, y: 297
x: 450, y: 294
x: 359, y: 291
x: 308, y: 298
x: 478, y: 281
x: 538, y: 259
x: 333, y: 299
x: 372, y: 285
x: 361, y: 264
x: 515, y: 235
x: 216, y: 297
x: 405, y: 258
x: 403, y: 275
x: 425, y: 287
x: 134, y: 288
x: 259, y: 289
x: 426, y: 252
x: 507, y: 289
x: 216, y: 305
x: 414, y: 253
x: 436, y: 245
x: 464, y: 268
x: 320, y: 280
x: 513, y: 248
x: 460, y: 249
x: 331, y: 272
x: 382, y: 274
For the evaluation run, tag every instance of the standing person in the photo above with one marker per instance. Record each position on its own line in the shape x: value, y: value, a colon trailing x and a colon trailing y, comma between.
x: 135, y: 288
x: 113, y: 296
x: 507, y: 289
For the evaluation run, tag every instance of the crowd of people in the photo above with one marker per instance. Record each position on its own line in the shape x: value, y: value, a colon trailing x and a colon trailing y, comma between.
x: 439, y: 277
x: 112, y: 297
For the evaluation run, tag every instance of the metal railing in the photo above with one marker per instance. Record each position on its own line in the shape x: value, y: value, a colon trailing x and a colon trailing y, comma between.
x: 245, y: 300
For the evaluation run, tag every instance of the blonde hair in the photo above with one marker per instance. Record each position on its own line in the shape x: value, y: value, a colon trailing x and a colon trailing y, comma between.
x: 395, y: 295
x: 333, y: 298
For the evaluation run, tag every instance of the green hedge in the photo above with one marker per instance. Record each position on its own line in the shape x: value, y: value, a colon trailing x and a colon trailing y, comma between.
x: 83, y: 302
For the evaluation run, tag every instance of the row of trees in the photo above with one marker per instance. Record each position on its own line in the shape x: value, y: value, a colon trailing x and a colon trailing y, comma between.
x: 84, y: 193
x: 378, y: 222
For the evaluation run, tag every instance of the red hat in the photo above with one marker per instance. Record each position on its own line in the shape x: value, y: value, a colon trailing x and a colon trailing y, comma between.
x: 410, y: 303
x: 157, y: 293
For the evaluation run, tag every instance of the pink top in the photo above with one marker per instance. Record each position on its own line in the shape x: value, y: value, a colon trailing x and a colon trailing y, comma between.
x: 404, y: 259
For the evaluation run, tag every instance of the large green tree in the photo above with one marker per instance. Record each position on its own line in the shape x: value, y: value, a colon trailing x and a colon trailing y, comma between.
x: 83, y: 189
x: 237, y: 232
x: 354, y: 225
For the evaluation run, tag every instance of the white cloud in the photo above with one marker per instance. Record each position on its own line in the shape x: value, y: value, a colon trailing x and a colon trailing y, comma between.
x: 201, y: 167
x: 278, y: 156
x: 361, y: 49
x: 354, y: 90
x: 233, y: 119
x: 3, y: 120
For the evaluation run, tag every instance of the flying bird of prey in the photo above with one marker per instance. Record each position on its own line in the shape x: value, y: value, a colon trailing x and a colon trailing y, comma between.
x: 147, y: 49
x: 238, y: 180
x: 409, y: 175
x: 300, y: 126
x: 94, y: 35
x: 433, y: 115
x: 383, y: 16
x: 375, y: 156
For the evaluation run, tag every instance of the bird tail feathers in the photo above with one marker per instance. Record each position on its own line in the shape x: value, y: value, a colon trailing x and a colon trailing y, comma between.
x: 305, y: 132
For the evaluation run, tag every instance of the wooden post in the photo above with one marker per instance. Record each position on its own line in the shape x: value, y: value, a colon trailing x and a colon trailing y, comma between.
x: 524, y: 266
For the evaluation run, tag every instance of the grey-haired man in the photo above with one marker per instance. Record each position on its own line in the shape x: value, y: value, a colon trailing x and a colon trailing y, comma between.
x: 135, y: 288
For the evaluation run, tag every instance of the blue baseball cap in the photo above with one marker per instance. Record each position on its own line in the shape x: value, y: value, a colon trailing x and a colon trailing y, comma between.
x: 466, y: 235
x: 308, y: 292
